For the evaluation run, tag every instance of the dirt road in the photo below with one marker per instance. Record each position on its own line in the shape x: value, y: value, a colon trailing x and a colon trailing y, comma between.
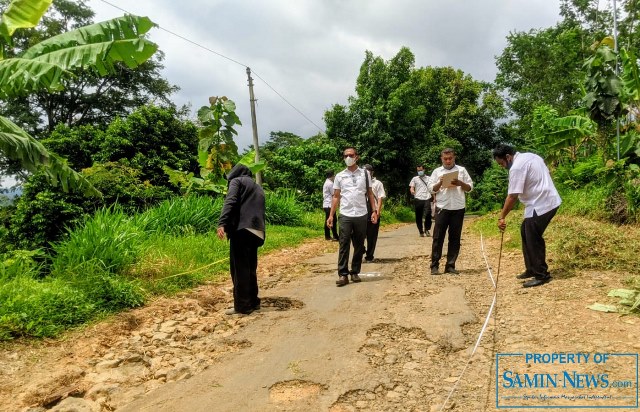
x: 399, y: 340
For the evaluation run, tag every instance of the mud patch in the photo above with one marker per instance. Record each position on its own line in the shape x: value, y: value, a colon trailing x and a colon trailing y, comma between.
x: 280, y: 303
x: 294, y: 391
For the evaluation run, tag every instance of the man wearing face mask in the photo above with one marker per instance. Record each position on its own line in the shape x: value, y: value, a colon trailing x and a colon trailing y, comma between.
x: 530, y: 182
x: 352, y: 190
x: 419, y: 188
x: 450, y: 207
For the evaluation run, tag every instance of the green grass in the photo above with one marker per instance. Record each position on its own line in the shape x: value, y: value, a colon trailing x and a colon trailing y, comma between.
x: 574, y: 243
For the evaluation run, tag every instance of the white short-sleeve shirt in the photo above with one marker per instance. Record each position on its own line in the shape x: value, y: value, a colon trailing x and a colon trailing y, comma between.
x: 353, y: 188
x: 529, y: 178
x: 420, y: 186
x: 452, y: 198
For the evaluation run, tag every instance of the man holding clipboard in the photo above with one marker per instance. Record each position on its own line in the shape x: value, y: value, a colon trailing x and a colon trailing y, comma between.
x: 450, y: 183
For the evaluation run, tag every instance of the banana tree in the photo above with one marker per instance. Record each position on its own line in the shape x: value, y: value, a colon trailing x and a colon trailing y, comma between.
x: 48, y: 64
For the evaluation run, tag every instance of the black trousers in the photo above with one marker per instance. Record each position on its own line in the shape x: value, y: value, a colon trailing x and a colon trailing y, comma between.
x: 372, y: 237
x: 243, y: 256
x: 352, y: 230
x: 422, y: 206
x: 328, y: 231
x: 451, y: 221
x: 533, y: 244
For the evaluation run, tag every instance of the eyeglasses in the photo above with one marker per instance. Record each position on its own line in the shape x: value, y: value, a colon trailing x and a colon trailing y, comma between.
x: 349, y: 155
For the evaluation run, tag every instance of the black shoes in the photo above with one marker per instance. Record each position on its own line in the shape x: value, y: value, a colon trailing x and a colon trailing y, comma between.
x: 428, y: 233
x: 422, y: 234
x: 536, y: 282
x: 452, y: 271
x: 343, y: 280
x: 368, y: 260
x: 524, y: 275
x: 355, y: 278
x: 435, y: 271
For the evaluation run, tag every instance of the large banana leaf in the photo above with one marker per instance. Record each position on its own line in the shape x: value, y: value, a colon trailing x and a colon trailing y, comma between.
x: 97, y: 46
x: 16, y: 144
x: 630, y: 75
x: 22, y: 14
x: 20, y: 76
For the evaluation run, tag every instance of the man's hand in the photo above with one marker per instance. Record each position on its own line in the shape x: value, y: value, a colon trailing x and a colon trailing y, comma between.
x: 221, y: 232
x: 502, y: 224
x: 330, y: 221
x: 374, y: 217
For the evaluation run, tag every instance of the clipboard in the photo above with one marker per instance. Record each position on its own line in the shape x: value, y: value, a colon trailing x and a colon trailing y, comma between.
x: 447, y: 178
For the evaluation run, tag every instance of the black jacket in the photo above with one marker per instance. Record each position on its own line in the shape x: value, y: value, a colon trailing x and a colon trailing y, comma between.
x: 244, y: 205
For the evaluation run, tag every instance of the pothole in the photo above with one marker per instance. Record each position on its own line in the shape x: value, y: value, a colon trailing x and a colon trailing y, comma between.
x: 294, y: 390
x: 280, y: 303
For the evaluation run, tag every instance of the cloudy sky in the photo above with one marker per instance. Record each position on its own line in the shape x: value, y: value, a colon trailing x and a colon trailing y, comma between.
x: 307, y: 53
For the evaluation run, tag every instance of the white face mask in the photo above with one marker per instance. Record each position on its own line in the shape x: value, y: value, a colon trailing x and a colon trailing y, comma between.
x: 349, y: 161
x: 420, y: 172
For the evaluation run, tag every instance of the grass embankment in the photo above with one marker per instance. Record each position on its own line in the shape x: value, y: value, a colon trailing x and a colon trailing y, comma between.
x: 576, y: 243
x: 114, y: 261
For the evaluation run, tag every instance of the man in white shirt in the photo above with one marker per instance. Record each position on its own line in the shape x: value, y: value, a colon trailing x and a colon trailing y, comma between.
x: 373, y: 228
x: 352, y: 190
x: 530, y: 182
x: 327, y: 195
x: 450, y: 207
x: 419, y: 188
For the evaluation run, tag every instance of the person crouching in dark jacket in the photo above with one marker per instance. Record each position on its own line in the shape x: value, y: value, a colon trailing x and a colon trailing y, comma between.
x: 243, y: 221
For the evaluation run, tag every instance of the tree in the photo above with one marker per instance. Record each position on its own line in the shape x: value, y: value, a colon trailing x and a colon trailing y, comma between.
x: 49, y: 63
x: 87, y: 98
x: 151, y: 139
x: 403, y: 116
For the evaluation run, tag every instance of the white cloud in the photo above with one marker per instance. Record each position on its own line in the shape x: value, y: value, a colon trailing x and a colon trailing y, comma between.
x: 310, y: 51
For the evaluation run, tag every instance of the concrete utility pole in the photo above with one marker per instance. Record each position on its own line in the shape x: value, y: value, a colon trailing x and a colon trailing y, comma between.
x: 615, y: 49
x: 254, y: 124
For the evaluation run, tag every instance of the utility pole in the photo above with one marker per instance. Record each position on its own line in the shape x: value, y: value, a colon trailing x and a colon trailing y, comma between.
x: 254, y: 125
x: 615, y: 49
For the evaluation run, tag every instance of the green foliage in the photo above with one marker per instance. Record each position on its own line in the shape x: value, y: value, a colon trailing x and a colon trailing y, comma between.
x: 283, y: 208
x: 44, y: 67
x: 183, y: 215
x: 110, y: 238
x: 40, y: 308
x: 402, y: 114
x: 76, y: 144
x: 122, y: 185
x: 301, y: 165
x: 490, y: 191
x: 20, y: 263
x: 148, y: 140
x: 396, y: 210
x: 42, y: 214
x: 216, y: 138
x: 105, y: 289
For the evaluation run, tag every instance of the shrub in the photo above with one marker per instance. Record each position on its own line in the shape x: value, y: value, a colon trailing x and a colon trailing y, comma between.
x: 283, y: 208
x: 183, y: 215
x: 109, y: 237
x: 121, y: 185
x: 40, y: 308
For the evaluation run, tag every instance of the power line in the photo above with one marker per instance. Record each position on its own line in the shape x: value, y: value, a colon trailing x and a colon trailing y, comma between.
x: 224, y: 57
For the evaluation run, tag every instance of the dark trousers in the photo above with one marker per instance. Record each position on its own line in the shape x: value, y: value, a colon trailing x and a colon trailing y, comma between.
x: 352, y: 230
x: 243, y: 255
x: 533, y: 244
x: 423, y: 209
x: 372, y: 237
x: 451, y: 221
x: 328, y: 231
